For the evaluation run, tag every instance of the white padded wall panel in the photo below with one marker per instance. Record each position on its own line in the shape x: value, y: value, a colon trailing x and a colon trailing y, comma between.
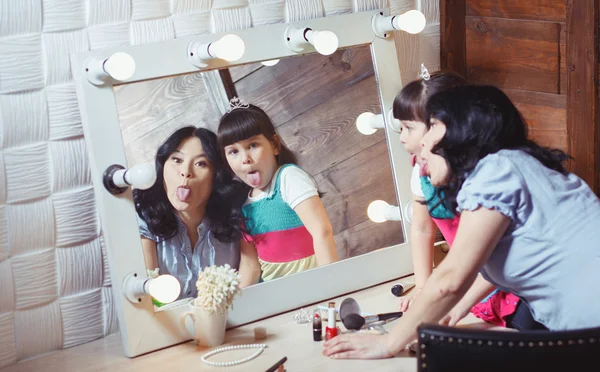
x: 152, y: 31
x: 38, y: 330
x: 110, y: 323
x: 27, y: 172
x: 364, y: 5
x: 298, y: 10
x: 24, y: 118
x: 75, y: 172
x: 192, y: 24
x: 2, y: 191
x: 222, y: 4
x: 266, y: 12
x: 337, y: 7
x: 21, y: 63
x: 106, y: 282
x: 231, y: 19
x: 61, y: 15
x: 4, y: 249
x: 7, y: 290
x: 108, y: 35
x: 150, y: 9
x: 63, y: 112
x: 82, y: 318
x: 12, y: 21
x: 55, y: 288
x: 72, y: 261
x: 106, y: 12
x: 76, y: 216
x: 8, y: 351
x: 35, y: 278
x: 30, y: 226
x: 58, y: 47
x: 190, y: 6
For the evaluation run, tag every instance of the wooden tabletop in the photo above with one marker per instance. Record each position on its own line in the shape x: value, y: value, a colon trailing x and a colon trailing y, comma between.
x: 285, y: 338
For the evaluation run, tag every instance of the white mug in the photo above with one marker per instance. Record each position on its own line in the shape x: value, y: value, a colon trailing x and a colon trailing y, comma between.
x: 209, y: 329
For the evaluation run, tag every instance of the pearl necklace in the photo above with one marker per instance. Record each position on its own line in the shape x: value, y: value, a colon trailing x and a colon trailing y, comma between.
x: 205, y: 357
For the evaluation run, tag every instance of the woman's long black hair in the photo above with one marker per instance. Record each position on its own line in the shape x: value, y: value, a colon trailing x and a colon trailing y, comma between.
x: 480, y: 120
x: 224, y: 207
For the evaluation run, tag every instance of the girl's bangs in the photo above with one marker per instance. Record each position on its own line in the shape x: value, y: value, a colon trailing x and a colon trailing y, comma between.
x: 238, y: 126
x: 408, y: 105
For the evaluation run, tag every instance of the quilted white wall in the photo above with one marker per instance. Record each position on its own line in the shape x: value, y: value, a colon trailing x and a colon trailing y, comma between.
x: 55, y: 288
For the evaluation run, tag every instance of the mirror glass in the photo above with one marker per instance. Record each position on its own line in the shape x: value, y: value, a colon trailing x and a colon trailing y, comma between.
x: 313, y: 101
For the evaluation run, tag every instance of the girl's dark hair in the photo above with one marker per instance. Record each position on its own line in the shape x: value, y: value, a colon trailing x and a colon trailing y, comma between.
x: 243, y: 123
x: 410, y: 103
x: 224, y: 207
x: 481, y: 120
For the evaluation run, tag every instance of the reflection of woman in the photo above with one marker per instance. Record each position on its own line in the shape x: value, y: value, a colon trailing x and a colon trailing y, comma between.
x: 191, y: 217
x: 526, y: 223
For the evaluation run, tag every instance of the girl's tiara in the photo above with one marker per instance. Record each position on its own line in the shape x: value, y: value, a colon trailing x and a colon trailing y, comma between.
x: 424, y: 72
x: 236, y: 103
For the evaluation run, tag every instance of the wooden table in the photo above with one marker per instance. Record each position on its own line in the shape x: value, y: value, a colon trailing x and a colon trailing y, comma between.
x: 285, y: 338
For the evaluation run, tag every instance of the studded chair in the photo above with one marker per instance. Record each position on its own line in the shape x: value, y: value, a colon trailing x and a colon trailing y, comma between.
x: 458, y: 349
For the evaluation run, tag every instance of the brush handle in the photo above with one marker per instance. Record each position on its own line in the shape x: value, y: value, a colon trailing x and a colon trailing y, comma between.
x: 387, y: 316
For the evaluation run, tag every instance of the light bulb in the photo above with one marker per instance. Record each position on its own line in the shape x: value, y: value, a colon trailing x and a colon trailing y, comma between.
x: 141, y: 176
x: 229, y: 47
x: 325, y: 42
x: 120, y: 66
x: 376, y: 211
x: 164, y: 288
x: 363, y: 123
x: 271, y: 62
x: 412, y: 21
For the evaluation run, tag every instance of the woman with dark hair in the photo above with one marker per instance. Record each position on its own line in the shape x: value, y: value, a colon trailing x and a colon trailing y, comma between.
x: 529, y: 226
x: 191, y: 217
x: 285, y: 217
x: 492, y: 305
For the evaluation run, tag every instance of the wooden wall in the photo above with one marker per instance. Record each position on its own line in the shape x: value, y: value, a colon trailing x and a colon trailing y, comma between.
x: 544, y: 55
x: 149, y: 111
x: 314, y: 101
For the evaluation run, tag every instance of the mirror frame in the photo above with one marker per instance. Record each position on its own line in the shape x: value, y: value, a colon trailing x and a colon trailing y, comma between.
x: 142, y: 329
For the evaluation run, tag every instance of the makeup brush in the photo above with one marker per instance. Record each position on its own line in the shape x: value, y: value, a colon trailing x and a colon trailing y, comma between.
x: 356, y: 321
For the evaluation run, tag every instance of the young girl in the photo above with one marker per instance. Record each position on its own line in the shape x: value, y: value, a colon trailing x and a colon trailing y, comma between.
x: 409, y: 107
x: 284, y: 214
x: 528, y: 225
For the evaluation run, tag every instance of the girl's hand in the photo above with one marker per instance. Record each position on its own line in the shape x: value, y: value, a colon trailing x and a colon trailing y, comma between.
x: 358, y: 346
x: 458, y: 312
x: 406, y: 301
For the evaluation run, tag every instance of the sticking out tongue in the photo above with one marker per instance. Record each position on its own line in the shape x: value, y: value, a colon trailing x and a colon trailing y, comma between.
x: 413, y: 160
x: 254, y: 178
x: 183, y: 193
x: 424, y: 170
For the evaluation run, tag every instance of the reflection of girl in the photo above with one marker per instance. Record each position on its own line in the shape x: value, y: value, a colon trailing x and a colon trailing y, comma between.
x: 528, y: 225
x: 496, y: 307
x: 284, y: 213
x: 189, y: 218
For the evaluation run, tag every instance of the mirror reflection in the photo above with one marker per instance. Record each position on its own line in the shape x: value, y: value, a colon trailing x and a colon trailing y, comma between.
x: 209, y: 204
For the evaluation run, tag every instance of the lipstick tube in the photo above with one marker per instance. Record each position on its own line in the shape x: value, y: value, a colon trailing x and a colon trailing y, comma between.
x: 331, y: 329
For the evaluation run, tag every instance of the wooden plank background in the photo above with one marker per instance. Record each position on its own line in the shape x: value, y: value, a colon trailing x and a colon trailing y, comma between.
x: 149, y: 111
x: 314, y: 101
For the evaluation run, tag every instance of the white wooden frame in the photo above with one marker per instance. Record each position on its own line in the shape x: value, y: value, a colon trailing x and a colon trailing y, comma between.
x: 144, y: 330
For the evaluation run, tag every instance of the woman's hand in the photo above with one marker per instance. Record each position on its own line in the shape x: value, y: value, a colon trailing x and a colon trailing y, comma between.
x: 458, y: 312
x: 358, y: 346
x: 406, y: 301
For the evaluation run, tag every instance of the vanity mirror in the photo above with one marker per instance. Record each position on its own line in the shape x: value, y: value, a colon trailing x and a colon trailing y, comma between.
x: 128, y: 109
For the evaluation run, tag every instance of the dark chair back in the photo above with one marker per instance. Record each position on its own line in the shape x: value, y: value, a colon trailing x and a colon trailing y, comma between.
x: 459, y: 349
